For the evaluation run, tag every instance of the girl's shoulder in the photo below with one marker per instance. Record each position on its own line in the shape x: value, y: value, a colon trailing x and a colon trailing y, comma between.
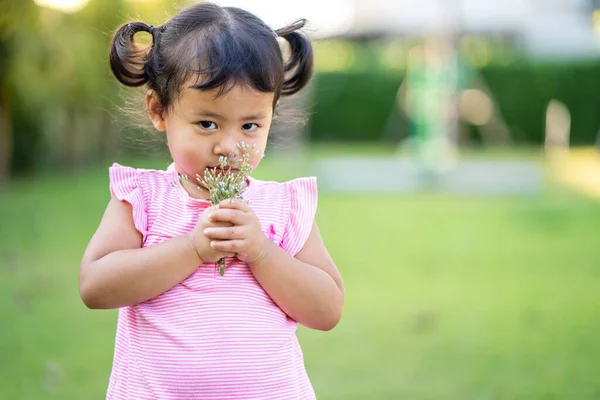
x: 290, y: 205
x: 304, y: 186
x: 150, y: 182
x: 120, y: 173
x: 146, y: 190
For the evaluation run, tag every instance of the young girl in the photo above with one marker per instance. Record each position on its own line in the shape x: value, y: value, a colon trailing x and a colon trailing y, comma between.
x: 214, y: 78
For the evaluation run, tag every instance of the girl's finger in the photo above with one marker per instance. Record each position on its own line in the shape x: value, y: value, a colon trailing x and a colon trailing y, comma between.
x: 227, y: 245
x: 237, y: 204
x: 222, y: 224
x: 224, y: 233
x: 233, y: 216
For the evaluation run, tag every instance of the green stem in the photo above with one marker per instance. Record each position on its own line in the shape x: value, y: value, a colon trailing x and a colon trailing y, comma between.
x: 221, y: 264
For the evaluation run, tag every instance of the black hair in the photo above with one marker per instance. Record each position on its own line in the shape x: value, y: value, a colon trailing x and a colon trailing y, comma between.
x: 223, y: 46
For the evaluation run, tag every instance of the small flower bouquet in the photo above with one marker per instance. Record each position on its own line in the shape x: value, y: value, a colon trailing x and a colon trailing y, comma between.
x: 227, y: 181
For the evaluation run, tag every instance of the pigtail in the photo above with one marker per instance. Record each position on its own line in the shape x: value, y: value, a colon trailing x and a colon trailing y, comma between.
x: 128, y: 60
x: 299, y: 67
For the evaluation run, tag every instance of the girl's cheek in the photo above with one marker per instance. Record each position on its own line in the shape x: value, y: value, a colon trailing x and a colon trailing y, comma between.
x: 256, y: 160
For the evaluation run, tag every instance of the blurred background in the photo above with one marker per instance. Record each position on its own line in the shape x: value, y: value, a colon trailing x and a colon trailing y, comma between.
x: 456, y: 144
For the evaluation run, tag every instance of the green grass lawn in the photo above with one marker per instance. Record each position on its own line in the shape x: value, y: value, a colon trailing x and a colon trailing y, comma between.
x: 446, y: 297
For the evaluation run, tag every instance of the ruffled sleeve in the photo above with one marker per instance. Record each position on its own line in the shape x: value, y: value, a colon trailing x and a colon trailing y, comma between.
x: 125, y: 186
x: 303, y: 207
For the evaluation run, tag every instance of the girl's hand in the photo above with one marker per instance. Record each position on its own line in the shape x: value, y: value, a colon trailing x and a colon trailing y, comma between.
x: 244, y: 237
x: 205, y: 252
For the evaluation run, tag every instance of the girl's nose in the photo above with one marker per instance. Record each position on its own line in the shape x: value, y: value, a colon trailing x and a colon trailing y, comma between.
x: 225, y: 146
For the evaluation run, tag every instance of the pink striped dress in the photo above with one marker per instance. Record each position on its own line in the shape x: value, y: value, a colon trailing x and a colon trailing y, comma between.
x: 210, y: 336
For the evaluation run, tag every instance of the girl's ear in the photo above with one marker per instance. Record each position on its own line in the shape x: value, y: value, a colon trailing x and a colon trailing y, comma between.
x: 155, y: 110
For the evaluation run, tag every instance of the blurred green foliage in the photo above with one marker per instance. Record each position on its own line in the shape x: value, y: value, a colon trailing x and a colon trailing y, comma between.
x: 58, y: 101
x: 523, y: 91
x: 56, y: 80
x: 355, y: 105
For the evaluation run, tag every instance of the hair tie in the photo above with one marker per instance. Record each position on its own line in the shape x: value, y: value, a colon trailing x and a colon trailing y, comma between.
x: 151, y: 29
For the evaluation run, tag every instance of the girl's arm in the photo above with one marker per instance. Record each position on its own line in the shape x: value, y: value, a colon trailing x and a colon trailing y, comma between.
x: 116, y: 272
x: 307, y: 287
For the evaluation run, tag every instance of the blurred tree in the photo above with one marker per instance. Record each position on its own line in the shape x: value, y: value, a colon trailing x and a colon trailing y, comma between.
x: 57, y: 98
x: 70, y: 82
x: 5, y: 120
x: 17, y: 18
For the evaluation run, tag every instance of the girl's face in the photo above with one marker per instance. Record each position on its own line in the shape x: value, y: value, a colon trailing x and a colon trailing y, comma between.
x: 201, y: 127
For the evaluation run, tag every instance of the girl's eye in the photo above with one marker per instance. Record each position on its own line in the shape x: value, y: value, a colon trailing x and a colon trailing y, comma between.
x: 250, y: 127
x: 209, y: 125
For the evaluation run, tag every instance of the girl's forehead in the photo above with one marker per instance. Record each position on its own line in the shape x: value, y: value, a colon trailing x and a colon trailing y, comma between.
x: 237, y: 103
x: 236, y: 93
